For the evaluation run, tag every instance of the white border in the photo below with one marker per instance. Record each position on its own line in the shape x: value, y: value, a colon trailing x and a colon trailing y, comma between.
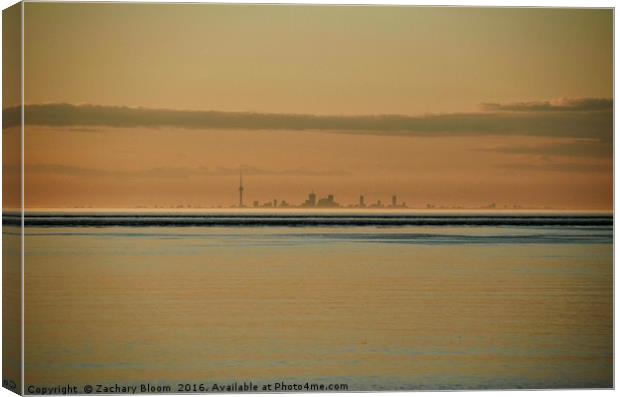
x: 483, y: 3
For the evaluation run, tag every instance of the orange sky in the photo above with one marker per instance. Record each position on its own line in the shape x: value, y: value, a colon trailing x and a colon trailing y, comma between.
x: 511, y: 106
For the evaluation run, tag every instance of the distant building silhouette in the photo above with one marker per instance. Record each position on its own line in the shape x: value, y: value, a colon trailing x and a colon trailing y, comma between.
x: 240, y: 189
x: 362, y: 204
x: 394, y: 201
x: 327, y: 202
x: 310, y: 201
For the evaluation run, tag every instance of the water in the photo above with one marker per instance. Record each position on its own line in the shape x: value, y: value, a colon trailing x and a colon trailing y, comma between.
x: 376, y: 302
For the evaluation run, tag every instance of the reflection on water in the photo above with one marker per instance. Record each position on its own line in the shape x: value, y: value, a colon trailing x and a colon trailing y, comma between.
x: 378, y: 308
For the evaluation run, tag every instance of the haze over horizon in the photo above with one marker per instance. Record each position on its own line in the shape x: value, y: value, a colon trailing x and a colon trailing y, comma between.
x: 127, y: 106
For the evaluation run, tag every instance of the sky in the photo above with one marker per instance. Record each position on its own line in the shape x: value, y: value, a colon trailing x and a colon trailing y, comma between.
x: 161, y: 105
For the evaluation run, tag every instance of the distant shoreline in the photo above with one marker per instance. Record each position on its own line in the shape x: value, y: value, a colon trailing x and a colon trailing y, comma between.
x: 305, y: 220
x: 312, y: 211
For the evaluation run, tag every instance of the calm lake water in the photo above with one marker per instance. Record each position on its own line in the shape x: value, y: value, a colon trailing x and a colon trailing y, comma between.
x: 409, y: 305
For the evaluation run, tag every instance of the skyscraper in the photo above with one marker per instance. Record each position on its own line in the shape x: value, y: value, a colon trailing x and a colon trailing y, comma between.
x: 310, y: 201
x: 327, y: 202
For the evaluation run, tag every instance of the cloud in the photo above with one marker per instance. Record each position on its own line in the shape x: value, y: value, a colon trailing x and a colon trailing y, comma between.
x: 167, y: 172
x: 589, y: 149
x: 579, y: 118
x: 559, y: 167
x: 557, y: 105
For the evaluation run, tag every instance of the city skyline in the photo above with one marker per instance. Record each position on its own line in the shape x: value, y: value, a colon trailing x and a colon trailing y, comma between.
x: 328, y: 201
x: 312, y: 202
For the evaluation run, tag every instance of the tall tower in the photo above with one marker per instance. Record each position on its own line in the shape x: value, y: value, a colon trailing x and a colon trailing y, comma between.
x: 240, y: 189
x: 312, y: 199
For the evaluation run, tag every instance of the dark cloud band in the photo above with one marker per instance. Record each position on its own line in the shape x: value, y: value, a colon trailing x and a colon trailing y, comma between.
x: 595, y: 123
x: 560, y: 167
x: 559, y: 105
x: 592, y: 149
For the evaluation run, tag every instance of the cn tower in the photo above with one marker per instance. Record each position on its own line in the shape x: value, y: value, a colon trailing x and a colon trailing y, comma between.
x: 240, y: 189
